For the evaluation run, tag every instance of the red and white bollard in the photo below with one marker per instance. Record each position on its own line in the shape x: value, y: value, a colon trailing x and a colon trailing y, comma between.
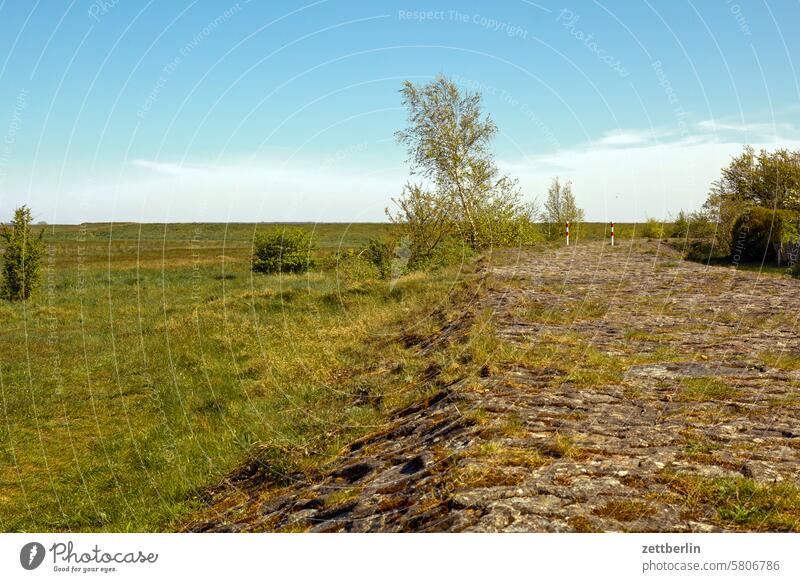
x: 568, y: 234
x: 612, y: 234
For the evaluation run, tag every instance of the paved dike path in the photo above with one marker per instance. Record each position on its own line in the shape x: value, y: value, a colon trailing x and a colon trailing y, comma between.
x: 633, y: 392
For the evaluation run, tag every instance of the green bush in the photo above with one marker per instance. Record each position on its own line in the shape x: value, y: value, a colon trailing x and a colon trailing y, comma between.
x: 651, y: 229
x: 352, y: 265
x: 758, y: 231
x: 379, y: 253
x: 452, y: 250
x: 707, y: 239
x: 382, y: 259
x: 390, y: 259
x: 702, y: 250
x: 283, y: 251
x: 701, y: 226
x: 680, y: 229
x: 23, y: 256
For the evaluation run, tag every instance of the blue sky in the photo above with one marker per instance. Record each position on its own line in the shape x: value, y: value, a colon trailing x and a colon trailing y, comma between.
x: 224, y: 111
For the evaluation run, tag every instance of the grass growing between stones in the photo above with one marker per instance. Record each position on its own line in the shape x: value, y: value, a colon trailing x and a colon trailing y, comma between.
x: 636, y: 335
x: 738, y: 503
x: 535, y: 311
x: 699, y: 447
x: 624, y: 510
x: 509, y: 455
x: 782, y: 361
x: 342, y: 496
x: 474, y: 476
x: 563, y: 446
x: 595, y: 368
x: 705, y: 389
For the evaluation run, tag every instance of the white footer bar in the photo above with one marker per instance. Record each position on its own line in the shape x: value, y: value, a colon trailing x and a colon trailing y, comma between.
x: 401, y: 557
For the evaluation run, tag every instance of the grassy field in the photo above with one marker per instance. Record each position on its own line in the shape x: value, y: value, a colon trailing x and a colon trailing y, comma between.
x: 602, y: 230
x: 152, y: 360
x: 329, y: 235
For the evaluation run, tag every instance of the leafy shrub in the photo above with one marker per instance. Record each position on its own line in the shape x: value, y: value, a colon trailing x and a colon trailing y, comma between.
x: 708, y: 239
x: 759, y: 231
x: 23, y: 256
x: 701, y: 226
x: 379, y: 254
x: 514, y: 227
x: 652, y: 228
x: 351, y: 265
x: 702, y: 250
x: 391, y: 259
x: 394, y: 258
x: 680, y: 228
x: 424, y: 222
x: 451, y: 251
x: 283, y: 251
x: 714, y: 223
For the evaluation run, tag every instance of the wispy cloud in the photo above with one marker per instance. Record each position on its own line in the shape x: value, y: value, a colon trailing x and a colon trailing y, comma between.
x: 759, y: 129
x: 624, y: 138
x: 244, y: 190
x: 171, y: 169
x: 633, y: 173
x: 704, y: 131
x: 625, y: 174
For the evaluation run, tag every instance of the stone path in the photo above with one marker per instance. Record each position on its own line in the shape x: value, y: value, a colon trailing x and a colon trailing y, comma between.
x: 639, y: 387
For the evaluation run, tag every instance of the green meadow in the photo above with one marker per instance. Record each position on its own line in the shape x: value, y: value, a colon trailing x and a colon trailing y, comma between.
x: 152, y: 361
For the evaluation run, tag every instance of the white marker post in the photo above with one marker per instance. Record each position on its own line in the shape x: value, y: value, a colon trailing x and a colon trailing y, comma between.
x: 612, y: 234
x: 568, y: 234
